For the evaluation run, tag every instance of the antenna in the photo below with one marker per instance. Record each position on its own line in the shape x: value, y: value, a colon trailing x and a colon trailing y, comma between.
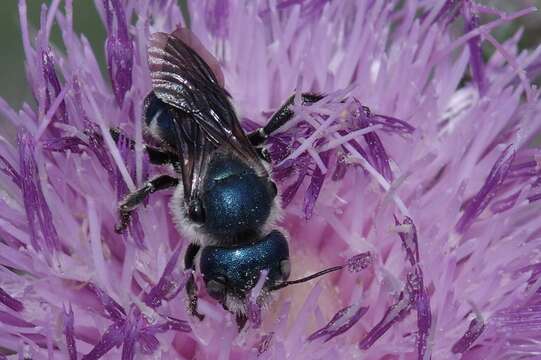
x: 354, y: 264
x: 305, y: 279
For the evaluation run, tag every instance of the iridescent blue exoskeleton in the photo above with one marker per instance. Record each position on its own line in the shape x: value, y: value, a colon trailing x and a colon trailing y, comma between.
x: 225, y: 201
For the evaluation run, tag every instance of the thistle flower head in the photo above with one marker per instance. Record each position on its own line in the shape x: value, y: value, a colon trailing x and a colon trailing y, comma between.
x: 415, y: 171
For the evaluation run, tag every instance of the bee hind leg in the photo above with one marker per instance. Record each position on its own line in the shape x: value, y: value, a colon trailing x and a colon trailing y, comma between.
x: 191, y: 287
x: 280, y: 117
x: 134, y: 199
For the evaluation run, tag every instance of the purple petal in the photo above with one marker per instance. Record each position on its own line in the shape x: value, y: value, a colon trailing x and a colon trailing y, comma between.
x: 69, y: 333
x: 112, y: 337
x: 254, y: 313
x: 10, y: 302
x: 264, y: 343
x: 53, y: 87
x: 392, y: 124
x: 10, y: 171
x: 171, y: 324
x: 355, y: 145
x: 216, y: 16
x: 314, y: 188
x: 379, y: 157
x: 249, y: 125
x: 149, y: 344
x: 481, y: 200
x: 349, y: 323
x: 63, y: 144
x: 309, y: 8
x: 415, y: 287
x: 167, y: 282
x: 291, y: 190
x: 526, y: 169
x: 95, y: 142
x: 449, y: 11
x: 474, y: 45
x: 409, y: 240
x: 113, y: 309
x: 128, y: 348
x: 341, y: 322
x: 178, y: 325
x: 359, y: 262
x: 424, y: 322
x: 535, y: 197
x: 137, y: 232
x: 127, y: 156
x: 341, y: 168
x: 533, y: 70
x: 398, y: 311
x: 358, y: 147
x: 393, y: 315
x: 505, y: 204
x: 9, y: 319
x: 253, y: 307
x: 476, y: 328
x: 280, y: 146
x: 284, y: 170
x: 119, y: 48
x: 35, y: 205
x: 415, y: 282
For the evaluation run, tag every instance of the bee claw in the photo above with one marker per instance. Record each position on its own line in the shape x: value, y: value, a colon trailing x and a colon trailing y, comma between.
x: 201, y: 317
x: 120, y: 227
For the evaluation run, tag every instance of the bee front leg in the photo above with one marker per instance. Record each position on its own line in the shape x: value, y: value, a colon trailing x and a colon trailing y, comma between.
x: 280, y: 117
x: 191, y: 287
x: 134, y: 199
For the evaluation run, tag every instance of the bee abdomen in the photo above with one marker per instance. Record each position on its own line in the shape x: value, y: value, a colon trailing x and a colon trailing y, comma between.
x: 158, y: 120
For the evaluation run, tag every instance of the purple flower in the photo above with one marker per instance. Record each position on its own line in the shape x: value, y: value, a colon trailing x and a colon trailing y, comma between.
x: 415, y: 171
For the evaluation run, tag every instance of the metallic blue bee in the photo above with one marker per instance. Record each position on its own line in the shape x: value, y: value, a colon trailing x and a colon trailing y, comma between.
x: 225, y: 201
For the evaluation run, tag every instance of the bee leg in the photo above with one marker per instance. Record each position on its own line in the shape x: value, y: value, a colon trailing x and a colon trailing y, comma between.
x: 156, y: 155
x: 263, y: 154
x: 280, y: 117
x: 134, y: 199
x: 241, y: 320
x: 191, y: 287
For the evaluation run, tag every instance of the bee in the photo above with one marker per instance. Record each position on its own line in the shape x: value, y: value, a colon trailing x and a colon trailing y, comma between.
x: 225, y: 201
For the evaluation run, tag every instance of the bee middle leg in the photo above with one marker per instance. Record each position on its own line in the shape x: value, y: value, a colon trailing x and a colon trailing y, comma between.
x: 156, y: 156
x: 134, y: 199
x: 280, y: 117
x: 191, y: 287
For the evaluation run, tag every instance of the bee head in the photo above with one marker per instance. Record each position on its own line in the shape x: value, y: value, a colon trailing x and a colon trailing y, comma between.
x: 231, y: 272
x: 234, y: 200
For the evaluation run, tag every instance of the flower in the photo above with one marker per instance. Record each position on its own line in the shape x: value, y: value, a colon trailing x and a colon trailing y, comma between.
x: 416, y: 171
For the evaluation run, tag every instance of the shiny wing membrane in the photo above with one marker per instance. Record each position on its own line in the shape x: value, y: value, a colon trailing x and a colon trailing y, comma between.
x: 204, y: 118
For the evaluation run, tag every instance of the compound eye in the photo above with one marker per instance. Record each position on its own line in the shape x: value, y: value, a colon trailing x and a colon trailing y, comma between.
x: 285, y: 269
x: 216, y: 288
x: 196, y: 213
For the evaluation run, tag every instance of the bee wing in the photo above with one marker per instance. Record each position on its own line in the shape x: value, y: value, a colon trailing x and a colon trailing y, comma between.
x: 184, y: 80
x: 185, y: 76
x: 193, y: 148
